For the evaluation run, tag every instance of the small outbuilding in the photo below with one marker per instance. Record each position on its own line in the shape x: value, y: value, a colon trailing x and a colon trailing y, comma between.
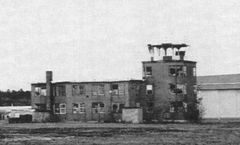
x: 132, y: 115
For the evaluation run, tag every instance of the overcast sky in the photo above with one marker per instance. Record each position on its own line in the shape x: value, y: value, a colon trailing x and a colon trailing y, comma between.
x: 84, y: 40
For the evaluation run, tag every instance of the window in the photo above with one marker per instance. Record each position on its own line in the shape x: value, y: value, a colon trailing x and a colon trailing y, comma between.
x: 60, y: 108
x: 78, y: 90
x: 117, y: 107
x: 195, y: 89
x: 184, y: 69
x: 150, y: 106
x: 172, y: 88
x: 194, y: 71
x: 94, y: 90
x: 148, y: 71
x: 60, y: 90
x: 54, y: 90
x: 75, y: 108
x: 118, y: 89
x: 101, y: 90
x: 115, y: 88
x: 41, y: 106
x: 75, y: 90
x: 176, y: 106
x: 98, y: 107
x: 78, y: 108
x: 121, y: 89
x: 40, y: 91
x: 149, y: 89
x: 98, y: 90
x: 82, y: 108
x: 179, y: 89
x: 56, y: 109
x: 177, y: 70
x: 82, y: 89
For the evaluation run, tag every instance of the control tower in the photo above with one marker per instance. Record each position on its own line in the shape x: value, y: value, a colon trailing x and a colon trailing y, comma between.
x: 170, y: 80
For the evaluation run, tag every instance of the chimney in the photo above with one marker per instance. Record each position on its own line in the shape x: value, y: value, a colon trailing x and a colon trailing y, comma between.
x: 151, y: 51
x: 49, y: 99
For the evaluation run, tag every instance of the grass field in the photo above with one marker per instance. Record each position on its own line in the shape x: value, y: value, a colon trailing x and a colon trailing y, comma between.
x: 73, y: 133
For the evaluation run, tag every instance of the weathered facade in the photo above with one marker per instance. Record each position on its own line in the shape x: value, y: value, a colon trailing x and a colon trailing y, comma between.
x: 169, y: 82
x: 85, y: 101
x: 165, y: 90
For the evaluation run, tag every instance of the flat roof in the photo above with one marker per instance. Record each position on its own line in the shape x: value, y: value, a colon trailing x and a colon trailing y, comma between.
x: 164, y: 61
x: 88, y: 82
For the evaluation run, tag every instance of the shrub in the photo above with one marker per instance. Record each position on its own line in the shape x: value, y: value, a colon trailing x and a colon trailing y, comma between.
x: 53, y: 118
x: 195, y: 111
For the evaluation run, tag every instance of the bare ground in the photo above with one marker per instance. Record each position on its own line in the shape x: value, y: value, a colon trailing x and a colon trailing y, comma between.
x: 73, y: 133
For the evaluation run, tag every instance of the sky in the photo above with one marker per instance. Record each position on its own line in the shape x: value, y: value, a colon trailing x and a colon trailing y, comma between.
x: 86, y: 40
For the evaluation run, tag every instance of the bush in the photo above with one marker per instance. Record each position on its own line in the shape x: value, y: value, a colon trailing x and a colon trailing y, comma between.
x: 53, y: 118
x: 195, y: 111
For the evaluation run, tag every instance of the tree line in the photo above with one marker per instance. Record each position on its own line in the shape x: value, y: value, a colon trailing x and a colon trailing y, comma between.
x: 15, y: 98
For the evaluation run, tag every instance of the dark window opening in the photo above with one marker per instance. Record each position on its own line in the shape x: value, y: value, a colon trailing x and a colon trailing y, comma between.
x: 75, y: 108
x: 115, y: 89
x: 177, y: 71
x: 82, y: 90
x: 148, y: 71
x: 178, y: 89
x: 60, y: 108
x: 172, y: 88
x: 56, y: 108
x: 176, y: 107
x: 115, y: 86
x: 150, y: 106
x: 117, y: 107
x: 98, y: 107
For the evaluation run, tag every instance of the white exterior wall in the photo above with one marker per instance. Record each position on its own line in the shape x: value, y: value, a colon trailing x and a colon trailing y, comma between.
x: 220, y: 103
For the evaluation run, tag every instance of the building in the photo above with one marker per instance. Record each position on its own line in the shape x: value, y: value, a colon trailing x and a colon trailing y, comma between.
x: 163, y: 93
x: 220, y: 96
x: 16, y: 113
x: 170, y: 80
x: 85, y: 101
